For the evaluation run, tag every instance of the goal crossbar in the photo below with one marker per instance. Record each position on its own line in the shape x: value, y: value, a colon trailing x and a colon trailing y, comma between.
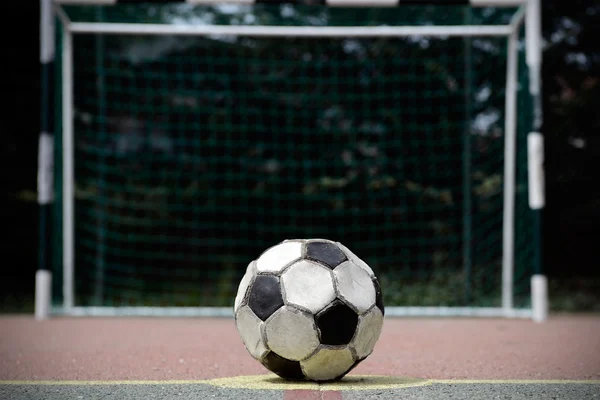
x: 278, y: 31
x: 331, y: 3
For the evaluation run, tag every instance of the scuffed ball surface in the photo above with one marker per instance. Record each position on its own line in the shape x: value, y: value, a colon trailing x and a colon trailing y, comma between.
x: 309, y: 309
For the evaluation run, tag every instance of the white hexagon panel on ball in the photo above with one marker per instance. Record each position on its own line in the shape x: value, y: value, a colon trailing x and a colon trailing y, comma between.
x: 308, y: 285
x: 367, y: 333
x: 291, y: 333
x: 249, y: 326
x: 328, y: 364
x: 243, y: 286
x: 355, y: 286
x: 276, y: 258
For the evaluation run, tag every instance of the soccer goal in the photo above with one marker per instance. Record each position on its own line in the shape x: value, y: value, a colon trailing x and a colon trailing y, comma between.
x: 191, y: 136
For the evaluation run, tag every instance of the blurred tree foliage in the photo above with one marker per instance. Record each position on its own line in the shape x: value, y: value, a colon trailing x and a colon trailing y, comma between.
x: 571, y: 85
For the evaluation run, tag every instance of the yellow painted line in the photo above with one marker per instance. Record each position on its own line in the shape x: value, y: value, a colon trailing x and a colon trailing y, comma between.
x: 350, y: 382
x: 517, y: 381
x: 273, y: 382
x: 92, y: 383
x: 258, y: 382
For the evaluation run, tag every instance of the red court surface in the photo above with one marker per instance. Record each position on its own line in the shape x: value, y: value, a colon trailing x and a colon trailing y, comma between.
x: 111, y: 349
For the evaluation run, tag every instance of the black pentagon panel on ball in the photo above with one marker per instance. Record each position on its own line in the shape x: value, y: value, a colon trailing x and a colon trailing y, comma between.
x: 378, y: 296
x: 337, y: 324
x: 265, y: 296
x: 327, y: 253
x: 283, y: 367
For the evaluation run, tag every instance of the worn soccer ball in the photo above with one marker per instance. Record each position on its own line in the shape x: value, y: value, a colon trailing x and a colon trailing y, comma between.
x: 309, y: 310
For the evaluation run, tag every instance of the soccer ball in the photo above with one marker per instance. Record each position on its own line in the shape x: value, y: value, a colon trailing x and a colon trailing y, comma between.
x: 309, y: 309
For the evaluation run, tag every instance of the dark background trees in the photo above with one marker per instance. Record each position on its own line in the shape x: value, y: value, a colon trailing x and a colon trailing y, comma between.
x: 571, y: 78
x: 571, y: 84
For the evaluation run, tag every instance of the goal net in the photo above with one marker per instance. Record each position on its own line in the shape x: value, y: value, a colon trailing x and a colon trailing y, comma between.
x: 193, y: 137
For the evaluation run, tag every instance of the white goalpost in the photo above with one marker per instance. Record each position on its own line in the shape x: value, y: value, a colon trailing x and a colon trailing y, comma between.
x: 527, y: 15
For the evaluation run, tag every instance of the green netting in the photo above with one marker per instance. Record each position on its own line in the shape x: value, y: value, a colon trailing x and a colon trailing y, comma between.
x: 194, y: 154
